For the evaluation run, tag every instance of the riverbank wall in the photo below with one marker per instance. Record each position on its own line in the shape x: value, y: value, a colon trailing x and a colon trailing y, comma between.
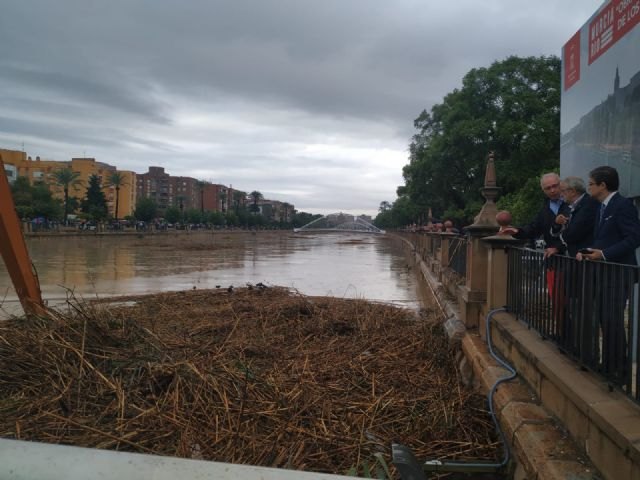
x: 560, y: 421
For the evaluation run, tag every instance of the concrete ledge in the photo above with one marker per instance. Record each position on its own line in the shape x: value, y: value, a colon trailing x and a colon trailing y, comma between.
x: 604, y: 424
x: 531, y: 430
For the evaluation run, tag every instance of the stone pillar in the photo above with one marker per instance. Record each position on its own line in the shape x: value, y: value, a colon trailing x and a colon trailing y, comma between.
x: 474, y: 292
x: 497, y: 272
x: 427, y: 244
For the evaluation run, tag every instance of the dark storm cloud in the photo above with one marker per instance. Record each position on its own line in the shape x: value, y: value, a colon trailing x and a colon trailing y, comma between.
x: 84, y: 87
x: 225, y: 89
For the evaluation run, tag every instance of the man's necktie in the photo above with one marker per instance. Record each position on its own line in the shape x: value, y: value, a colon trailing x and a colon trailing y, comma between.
x: 602, y: 207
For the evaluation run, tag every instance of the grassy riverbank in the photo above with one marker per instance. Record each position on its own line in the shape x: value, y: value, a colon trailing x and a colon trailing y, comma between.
x: 261, y: 376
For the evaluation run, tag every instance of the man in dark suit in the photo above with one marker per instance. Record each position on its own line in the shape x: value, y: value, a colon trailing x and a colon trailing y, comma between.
x: 617, y: 229
x: 575, y: 227
x: 542, y: 224
x: 616, y: 238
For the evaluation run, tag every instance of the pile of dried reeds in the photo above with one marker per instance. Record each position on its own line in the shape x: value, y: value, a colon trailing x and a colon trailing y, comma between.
x: 262, y: 376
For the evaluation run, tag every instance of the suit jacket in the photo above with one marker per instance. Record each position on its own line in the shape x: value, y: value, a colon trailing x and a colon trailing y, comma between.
x: 578, y: 233
x: 541, y: 226
x: 618, y: 235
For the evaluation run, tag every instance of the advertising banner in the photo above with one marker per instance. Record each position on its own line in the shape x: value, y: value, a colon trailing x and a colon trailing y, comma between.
x: 600, y: 104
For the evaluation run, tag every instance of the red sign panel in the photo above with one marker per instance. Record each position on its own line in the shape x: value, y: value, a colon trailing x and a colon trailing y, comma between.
x: 571, y: 55
x: 616, y: 18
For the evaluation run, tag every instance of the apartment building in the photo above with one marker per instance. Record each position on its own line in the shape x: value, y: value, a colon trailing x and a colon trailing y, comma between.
x: 164, y: 189
x: 276, y: 211
x: 38, y: 170
x: 167, y: 191
x: 220, y: 198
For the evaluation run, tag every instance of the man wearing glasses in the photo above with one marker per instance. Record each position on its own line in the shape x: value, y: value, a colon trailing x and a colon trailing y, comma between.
x: 575, y: 226
x: 615, y: 240
x: 617, y: 228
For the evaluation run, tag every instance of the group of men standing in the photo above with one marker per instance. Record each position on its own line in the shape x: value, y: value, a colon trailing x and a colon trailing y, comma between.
x: 593, y: 223
x: 599, y: 224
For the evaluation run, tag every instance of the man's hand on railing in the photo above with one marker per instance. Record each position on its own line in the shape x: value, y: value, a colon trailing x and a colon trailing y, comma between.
x: 507, y: 231
x: 590, y: 254
x: 549, y: 252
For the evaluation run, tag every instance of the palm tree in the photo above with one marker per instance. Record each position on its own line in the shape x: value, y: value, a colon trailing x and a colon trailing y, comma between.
x: 180, y: 199
x: 116, y: 179
x: 237, y: 198
x: 257, y: 196
x: 201, y: 184
x: 65, y: 178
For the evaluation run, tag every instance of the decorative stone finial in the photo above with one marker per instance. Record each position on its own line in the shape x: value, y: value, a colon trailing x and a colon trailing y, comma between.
x: 490, y: 173
x: 486, y: 218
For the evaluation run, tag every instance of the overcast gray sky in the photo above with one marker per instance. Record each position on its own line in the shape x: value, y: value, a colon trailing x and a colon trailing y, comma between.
x: 309, y: 102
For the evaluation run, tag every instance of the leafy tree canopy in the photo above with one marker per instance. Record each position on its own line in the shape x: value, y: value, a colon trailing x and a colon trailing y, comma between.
x: 95, y: 203
x: 173, y: 214
x: 35, y: 200
x: 511, y: 108
x: 146, y: 210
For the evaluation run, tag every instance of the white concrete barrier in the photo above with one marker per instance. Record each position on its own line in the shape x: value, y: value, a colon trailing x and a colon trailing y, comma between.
x: 21, y: 460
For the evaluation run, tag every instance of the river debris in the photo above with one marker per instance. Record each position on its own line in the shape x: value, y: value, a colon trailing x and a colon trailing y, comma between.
x: 261, y: 376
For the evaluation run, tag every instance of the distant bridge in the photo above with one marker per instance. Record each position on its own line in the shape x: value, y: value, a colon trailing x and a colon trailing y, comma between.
x: 339, y: 222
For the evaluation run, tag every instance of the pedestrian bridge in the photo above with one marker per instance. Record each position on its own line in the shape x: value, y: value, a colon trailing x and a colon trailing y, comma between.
x: 339, y: 222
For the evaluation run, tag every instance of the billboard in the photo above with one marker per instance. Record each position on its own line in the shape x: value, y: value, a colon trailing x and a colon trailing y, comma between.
x: 600, y: 99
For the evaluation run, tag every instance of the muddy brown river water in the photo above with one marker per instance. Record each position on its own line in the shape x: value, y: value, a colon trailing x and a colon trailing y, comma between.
x: 334, y: 264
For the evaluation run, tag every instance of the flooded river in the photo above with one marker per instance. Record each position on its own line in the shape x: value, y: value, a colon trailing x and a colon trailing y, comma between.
x: 340, y: 264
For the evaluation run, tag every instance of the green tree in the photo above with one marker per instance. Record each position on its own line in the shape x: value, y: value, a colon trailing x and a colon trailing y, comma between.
x: 525, y: 203
x: 146, y: 209
x: 35, y: 200
x: 256, y: 196
x: 22, y: 194
x: 173, y: 214
x: 95, y: 202
x: 231, y: 218
x: 194, y: 215
x: 215, y: 218
x: 44, y: 205
x: 300, y: 219
x: 116, y: 180
x: 202, y: 185
x: 66, y: 178
x: 180, y: 202
x: 511, y: 108
x: 237, y: 200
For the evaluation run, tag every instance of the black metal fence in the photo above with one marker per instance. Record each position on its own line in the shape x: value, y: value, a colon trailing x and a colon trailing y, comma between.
x: 436, y: 241
x: 589, y: 309
x: 458, y: 255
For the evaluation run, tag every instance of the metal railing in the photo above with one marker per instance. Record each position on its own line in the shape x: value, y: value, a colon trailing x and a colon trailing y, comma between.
x: 457, y: 260
x: 436, y: 242
x: 589, y: 309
